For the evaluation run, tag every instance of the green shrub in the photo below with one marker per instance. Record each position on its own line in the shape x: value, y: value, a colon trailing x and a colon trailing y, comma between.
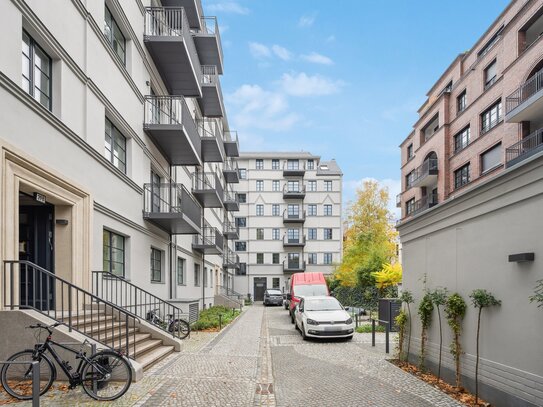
x: 366, y: 328
x: 209, y: 318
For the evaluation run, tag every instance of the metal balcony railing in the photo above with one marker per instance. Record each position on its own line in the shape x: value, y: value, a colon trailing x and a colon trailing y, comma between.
x: 231, y: 165
x: 428, y: 167
x: 300, y: 189
x: 231, y: 136
x: 171, y: 198
x: 424, y: 204
x: 293, y: 240
x: 524, y: 92
x: 293, y: 166
x: 210, y: 26
x: 230, y: 228
x: 207, y: 181
x: 230, y: 259
x: 293, y: 216
x: 294, y: 265
x: 398, y: 200
x: 524, y: 148
x: 210, y: 236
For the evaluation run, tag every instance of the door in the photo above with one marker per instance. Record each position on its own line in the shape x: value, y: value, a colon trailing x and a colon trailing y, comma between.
x: 36, y: 244
x: 293, y: 260
x: 260, y: 286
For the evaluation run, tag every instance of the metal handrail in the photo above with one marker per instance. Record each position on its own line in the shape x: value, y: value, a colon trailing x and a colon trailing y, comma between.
x: 294, y: 265
x: 210, y: 236
x: 171, y: 198
x: 287, y: 190
x: 229, y: 227
x: 296, y: 216
x: 422, y: 171
x: 299, y: 240
x: 35, y: 366
x: 231, y: 165
x: 210, y: 26
x: 231, y: 136
x: 300, y: 166
x: 524, y: 146
x: 423, y: 204
x: 230, y: 195
x: 230, y: 293
x: 37, y: 294
x: 524, y: 92
x: 230, y: 258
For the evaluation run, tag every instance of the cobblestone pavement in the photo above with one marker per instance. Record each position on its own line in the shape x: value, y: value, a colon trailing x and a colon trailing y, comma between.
x: 261, y: 360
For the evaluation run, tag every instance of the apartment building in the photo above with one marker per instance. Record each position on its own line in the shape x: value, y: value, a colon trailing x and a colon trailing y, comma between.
x: 481, y: 116
x: 116, y: 153
x: 289, y: 219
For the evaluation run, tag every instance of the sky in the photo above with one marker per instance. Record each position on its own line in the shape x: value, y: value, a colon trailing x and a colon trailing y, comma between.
x: 342, y: 82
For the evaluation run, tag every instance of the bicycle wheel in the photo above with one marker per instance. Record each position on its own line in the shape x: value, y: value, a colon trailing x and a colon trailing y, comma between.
x: 17, y: 378
x: 107, y: 376
x: 180, y: 328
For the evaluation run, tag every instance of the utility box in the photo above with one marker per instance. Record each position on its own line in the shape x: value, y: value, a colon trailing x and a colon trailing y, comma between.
x: 389, y: 308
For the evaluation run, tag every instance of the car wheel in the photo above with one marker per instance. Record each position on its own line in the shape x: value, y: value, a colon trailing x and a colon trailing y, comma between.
x: 302, y: 331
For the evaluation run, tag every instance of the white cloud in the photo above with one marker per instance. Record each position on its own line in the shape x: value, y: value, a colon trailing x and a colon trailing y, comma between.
x: 281, y: 52
x: 329, y: 39
x: 307, y: 20
x: 317, y: 58
x: 232, y: 7
x: 302, y: 84
x: 394, y: 187
x: 259, y: 50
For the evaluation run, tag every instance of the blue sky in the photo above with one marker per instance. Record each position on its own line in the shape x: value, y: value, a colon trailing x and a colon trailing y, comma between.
x: 341, y: 82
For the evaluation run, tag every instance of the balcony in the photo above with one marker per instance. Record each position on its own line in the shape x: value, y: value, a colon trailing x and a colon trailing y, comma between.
x: 230, y: 171
x: 193, y: 10
x: 208, y: 43
x: 230, y: 230
x: 207, y: 189
x: 231, y: 200
x: 293, y: 266
x: 298, y: 241
x: 424, y: 204
x: 212, y: 144
x: 169, y: 124
x: 399, y: 201
x: 210, y: 241
x: 171, y: 45
x: 294, y: 192
x: 231, y: 143
x: 426, y: 174
x: 298, y: 217
x: 526, y: 103
x: 172, y: 208
x: 293, y: 169
x: 524, y: 149
x: 211, y: 102
x: 230, y: 260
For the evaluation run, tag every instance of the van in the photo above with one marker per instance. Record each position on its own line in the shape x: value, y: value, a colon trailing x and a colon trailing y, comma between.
x: 305, y: 285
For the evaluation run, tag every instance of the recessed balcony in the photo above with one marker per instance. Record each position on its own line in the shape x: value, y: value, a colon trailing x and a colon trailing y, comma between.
x: 230, y: 260
x: 230, y: 231
x: 207, y: 189
x: 526, y: 103
x: 231, y: 201
x: 231, y: 143
x: 230, y: 171
x: 171, y: 45
x: 211, y: 102
x: 294, y: 192
x: 169, y: 124
x: 293, y: 266
x: 212, y: 144
x: 293, y: 169
x: 210, y: 241
x: 293, y: 241
x: 193, y: 10
x: 424, y: 204
x: 208, y: 43
x: 426, y: 174
x: 524, y: 149
x: 399, y: 201
x: 293, y: 217
x: 172, y: 208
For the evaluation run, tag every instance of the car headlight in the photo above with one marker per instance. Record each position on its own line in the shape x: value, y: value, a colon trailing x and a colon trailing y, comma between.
x: 311, y: 322
x: 349, y: 321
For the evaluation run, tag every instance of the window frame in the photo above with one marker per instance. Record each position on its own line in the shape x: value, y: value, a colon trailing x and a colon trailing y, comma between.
x: 276, y: 185
x: 459, y: 177
x: 276, y: 234
x: 462, y: 101
x: 276, y: 256
x: 326, y: 235
x: 410, y: 151
x: 260, y: 258
x: 259, y: 209
x: 32, y: 46
x: 113, y: 29
x: 488, y: 150
x: 197, y: 279
x: 310, y: 212
x: 242, y: 198
x: 488, y: 82
x: 328, y: 210
x: 276, y: 210
x: 259, y: 233
x: 275, y: 164
x: 242, y: 173
x: 182, y: 261
x: 498, y: 105
x: 312, y: 234
x: 153, y: 260
x: 409, y: 206
x: 328, y: 186
x: 259, y: 185
x: 115, y: 134
x: 464, y: 134
x: 110, y: 235
x: 312, y: 258
x: 240, y: 246
x: 259, y: 164
x: 328, y: 258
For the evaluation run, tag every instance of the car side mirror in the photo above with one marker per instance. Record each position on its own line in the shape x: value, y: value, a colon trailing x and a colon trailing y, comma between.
x: 289, y: 297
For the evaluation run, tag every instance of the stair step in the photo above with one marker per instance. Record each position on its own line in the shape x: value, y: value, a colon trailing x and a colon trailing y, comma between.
x: 147, y: 345
x: 137, y: 338
x: 108, y: 328
x: 153, y: 356
x: 85, y: 320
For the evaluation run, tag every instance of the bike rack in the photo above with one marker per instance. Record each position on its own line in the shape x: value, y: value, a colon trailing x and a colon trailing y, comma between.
x: 35, y: 378
x: 387, y: 333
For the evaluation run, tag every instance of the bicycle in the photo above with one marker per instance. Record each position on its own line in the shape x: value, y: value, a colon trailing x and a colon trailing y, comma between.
x: 105, y: 375
x: 179, y: 326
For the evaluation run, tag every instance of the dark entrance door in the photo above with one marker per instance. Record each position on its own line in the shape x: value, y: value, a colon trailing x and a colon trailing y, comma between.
x: 260, y: 285
x: 36, y: 244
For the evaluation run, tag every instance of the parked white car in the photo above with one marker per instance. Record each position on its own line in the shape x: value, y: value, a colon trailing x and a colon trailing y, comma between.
x: 323, y: 317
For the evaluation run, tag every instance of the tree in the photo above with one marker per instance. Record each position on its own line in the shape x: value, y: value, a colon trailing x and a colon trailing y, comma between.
x: 455, y: 310
x: 401, y: 321
x: 439, y: 298
x: 407, y: 298
x: 426, y: 307
x: 390, y: 275
x: 480, y: 299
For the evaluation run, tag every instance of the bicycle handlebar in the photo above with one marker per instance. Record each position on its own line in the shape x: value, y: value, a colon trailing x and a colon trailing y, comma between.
x: 48, y: 327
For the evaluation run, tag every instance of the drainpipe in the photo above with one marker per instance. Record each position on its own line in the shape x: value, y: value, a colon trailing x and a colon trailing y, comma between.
x: 170, y: 249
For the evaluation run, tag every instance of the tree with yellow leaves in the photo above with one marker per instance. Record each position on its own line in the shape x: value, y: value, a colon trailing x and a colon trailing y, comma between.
x: 390, y: 275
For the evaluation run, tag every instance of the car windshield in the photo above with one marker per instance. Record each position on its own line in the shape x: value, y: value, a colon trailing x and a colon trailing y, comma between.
x: 310, y: 290
x: 322, y: 304
x: 275, y: 292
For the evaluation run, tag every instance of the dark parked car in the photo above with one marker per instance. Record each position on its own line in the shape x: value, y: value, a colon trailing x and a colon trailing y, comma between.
x: 273, y: 297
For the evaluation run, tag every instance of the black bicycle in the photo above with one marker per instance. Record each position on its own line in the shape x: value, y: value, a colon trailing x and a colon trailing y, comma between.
x: 178, y: 327
x: 105, y: 375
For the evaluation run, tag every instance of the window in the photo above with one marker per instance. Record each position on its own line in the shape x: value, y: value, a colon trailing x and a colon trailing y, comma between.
x: 431, y: 128
x: 275, y: 164
x: 293, y: 186
x: 259, y: 210
x: 491, y: 158
x: 312, y: 234
x: 531, y: 31
x: 113, y: 246
x: 293, y: 235
x: 276, y: 282
x: 242, y: 271
x: 461, y: 140
x: 115, y: 147
x: 276, y: 210
x: 241, y: 246
x: 293, y: 210
x: 461, y: 176
x: 210, y: 279
x: 409, y: 178
x: 490, y: 74
x: 410, y: 151
x: 36, y: 71
x: 312, y: 210
x: 196, y: 275
x: 260, y: 185
x: 242, y: 173
x: 275, y: 258
x: 156, y: 265
x: 242, y: 198
x: 259, y: 164
x: 276, y: 234
x: 327, y: 258
x: 180, y: 271
x: 312, y: 258
x: 312, y: 186
x: 491, y: 117
x: 260, y: 258
x: 328, y: 210
x: 328, y: 186
x: 461, y: 102
x: 488, y: 46
x: 293, y: 165
x: 327, y: 234
x: 114, y: 36
x: 275, y: 185
x: 205, y: 276
x: 310, y: 164
x: 410, y: 206
x: 241, y: 222
x: 260, y: 234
